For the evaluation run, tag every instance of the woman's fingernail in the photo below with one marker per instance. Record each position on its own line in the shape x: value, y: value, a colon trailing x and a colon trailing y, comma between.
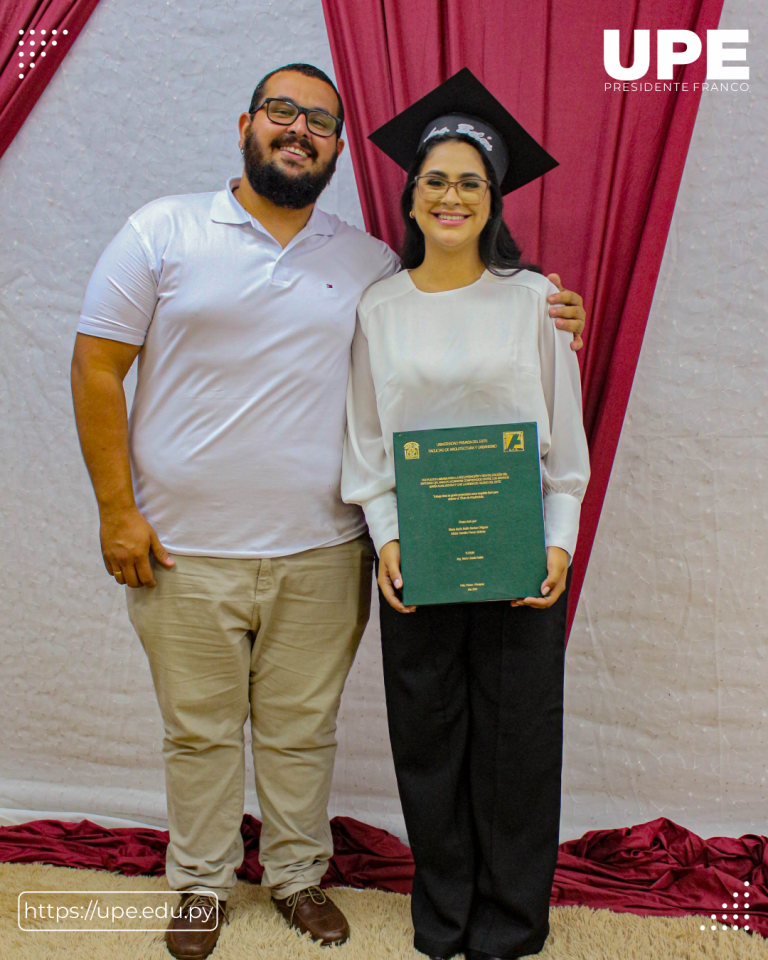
x: 398, y: 583
x: 545, y: 591
x: 559, y: 323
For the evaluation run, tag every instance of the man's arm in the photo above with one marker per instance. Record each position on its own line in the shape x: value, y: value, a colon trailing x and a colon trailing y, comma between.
x: 99, y: 367
x: 570, y: 315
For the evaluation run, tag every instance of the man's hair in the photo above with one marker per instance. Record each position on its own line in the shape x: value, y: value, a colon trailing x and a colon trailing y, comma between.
x: 307, y: 70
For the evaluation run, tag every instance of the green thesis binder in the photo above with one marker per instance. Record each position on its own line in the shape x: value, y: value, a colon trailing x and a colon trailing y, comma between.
x: 471, y: 516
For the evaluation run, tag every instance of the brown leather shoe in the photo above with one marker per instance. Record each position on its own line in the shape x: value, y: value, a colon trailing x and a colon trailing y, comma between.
x: 312, y: 912
x: 193, y: 935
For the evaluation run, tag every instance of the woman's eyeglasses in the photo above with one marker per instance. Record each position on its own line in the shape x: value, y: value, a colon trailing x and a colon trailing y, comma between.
x: 284, y: 112
x: 433, y: 188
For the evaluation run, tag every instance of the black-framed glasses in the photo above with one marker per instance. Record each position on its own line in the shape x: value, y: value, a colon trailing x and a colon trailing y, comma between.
x: 433, y: 188
x: 284, y: 112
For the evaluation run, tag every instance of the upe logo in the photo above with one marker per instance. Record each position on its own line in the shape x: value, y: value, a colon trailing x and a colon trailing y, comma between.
x: 667, y: 57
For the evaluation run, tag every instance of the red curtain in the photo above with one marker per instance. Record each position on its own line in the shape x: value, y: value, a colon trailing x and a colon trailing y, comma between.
x: 601, y: 218
x: 45, y: 28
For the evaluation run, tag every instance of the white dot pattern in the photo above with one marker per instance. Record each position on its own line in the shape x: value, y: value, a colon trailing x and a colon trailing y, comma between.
x: 32, y: 43
x: 735, y: 917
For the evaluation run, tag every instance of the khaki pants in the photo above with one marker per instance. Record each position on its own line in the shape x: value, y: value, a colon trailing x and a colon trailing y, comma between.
x: 274, y: 636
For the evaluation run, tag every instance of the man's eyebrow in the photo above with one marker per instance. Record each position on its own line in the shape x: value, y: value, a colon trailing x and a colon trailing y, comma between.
x: 291, y: 100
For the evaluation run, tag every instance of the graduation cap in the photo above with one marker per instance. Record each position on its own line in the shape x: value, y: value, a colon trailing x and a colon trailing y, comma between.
x: 462, y: 105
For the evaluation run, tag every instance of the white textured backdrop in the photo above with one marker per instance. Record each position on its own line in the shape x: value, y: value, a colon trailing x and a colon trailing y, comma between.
x: 667, y: 662
x: 667, y: 666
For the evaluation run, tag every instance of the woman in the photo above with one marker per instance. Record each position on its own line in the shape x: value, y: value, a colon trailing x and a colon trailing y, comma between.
x: 462, y: 337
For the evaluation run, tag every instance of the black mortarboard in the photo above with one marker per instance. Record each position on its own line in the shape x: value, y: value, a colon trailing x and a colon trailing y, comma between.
x: 463, y: 105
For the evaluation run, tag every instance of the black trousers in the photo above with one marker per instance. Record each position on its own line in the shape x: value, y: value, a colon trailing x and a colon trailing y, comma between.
x: 475, y: 707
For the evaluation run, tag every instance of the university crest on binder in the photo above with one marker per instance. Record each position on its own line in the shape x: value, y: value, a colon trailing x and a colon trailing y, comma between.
x: 513, y: 441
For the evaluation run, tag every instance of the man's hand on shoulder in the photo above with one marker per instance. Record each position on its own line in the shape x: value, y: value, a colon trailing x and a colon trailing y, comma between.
x: 568, y: 308
x: 126, y: 542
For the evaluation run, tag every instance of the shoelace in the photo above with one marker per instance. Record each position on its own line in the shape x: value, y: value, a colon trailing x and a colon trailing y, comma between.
x: 315, y: 894
x: 203, y: 901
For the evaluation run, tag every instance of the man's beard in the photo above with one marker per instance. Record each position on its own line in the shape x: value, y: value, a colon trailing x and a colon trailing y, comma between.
x: 280, y: 188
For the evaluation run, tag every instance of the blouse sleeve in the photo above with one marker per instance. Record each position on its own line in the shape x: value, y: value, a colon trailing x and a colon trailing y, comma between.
x: 565, y: 466
x: 367, y: 476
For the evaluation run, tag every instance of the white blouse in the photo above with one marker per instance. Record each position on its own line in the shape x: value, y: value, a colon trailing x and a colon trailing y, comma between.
x: 482, y: 354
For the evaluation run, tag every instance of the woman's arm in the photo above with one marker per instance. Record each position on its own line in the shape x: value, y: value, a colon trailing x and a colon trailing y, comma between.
x: 367, y: 474
x: 565, y: 466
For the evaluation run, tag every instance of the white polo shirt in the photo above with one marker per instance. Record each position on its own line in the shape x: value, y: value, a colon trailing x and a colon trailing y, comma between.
x: 237, y: 426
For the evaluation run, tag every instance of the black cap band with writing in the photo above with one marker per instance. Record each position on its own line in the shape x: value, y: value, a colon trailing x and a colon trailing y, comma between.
x: 487, y: 138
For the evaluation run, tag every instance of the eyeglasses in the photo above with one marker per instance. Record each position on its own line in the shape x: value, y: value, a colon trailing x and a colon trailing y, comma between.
x: 433, y: 188
x: 284, y: 112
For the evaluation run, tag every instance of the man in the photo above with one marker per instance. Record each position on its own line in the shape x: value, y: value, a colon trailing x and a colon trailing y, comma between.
x: 220, y: 505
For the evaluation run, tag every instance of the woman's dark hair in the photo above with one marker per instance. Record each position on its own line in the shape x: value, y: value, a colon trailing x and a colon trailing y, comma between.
x: 497, y: 248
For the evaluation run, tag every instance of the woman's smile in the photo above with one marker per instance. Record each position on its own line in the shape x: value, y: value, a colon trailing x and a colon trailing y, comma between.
x: 450, y: 219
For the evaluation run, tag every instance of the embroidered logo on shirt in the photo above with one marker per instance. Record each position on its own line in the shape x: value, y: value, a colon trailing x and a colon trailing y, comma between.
x: 513, y: 441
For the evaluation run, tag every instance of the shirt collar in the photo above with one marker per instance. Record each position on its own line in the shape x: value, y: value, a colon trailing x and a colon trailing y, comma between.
x: 226, y: 209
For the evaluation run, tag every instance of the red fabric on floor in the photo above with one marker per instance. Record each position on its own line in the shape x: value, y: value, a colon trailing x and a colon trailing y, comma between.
x: 126, y: 850
x: 364, y: 856
x: 662, y: 869
x: 656, y: 868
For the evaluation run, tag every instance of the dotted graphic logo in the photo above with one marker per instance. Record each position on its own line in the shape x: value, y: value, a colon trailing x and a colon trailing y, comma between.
x: 32, y: 47
x: 737, y: 915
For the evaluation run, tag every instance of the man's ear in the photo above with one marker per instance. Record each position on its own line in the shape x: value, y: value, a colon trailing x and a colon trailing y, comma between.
x: 243, y: 124
x: 340, y: 144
